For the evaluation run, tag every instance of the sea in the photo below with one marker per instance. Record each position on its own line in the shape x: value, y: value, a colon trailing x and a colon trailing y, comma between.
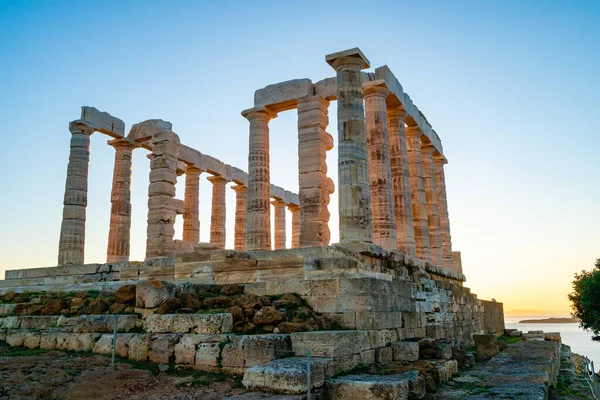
x: 572, y: 335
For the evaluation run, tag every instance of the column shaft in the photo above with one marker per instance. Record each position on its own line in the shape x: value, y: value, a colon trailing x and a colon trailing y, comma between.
x: 279, y: 224
x: 241, y: 200
x: 380, y: 173
x: 314, y: 185
x: 433, y: 216
x: 440, y: 180
x: 258, y: 229
x: 161, y: 192
x: 419, y: 202
x: 457, y: 262
x: 71, y: 244
x: 405, y: 233
x: 191, y: 220
x: 296, y: 224
x: 218, y: 213
x: 353, y: 170
x: 120, y: 211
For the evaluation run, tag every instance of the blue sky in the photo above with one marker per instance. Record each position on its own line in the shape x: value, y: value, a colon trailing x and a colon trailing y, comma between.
x: 511, y: 87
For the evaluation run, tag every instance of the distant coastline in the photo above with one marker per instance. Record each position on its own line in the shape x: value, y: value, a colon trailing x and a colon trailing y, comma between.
x: 552, y: 320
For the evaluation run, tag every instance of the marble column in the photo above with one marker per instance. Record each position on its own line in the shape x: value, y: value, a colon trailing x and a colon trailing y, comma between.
x: 440, y: 181
x: 433, y: 216
x: 258, y: 228
x: 162, y: 210
x: 71, y: 244
x: 314, y: 185
x: 353, y: 170
x: 218, y: 211
x: 279, y: 223
x: 419, y: 201
x: 241, y: 200
x: 457, y: 262
x: 296, y: 224
x: 191, y: 200
x: 119, y: 232
x: 380, y: 173
x: 405, y: 233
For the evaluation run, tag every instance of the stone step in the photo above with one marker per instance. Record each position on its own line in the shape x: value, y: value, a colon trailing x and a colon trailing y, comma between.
x: 408, y: 385
x: 288, y: 375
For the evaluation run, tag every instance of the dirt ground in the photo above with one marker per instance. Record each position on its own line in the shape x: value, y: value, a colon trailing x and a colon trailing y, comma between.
x: 53, y: 375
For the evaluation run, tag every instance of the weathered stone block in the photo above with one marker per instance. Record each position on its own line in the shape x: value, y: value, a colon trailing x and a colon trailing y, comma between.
x: 149, y: 294
x: 7, y: 309
x: 162, y: 347
x: 260, y: 349
x: 486, y: 347
x: 139, y: 347
x: 190, y: 323
x: 406, y: 351
x: 368, y: 387
x: 287, y: 375
x: 330, y: 343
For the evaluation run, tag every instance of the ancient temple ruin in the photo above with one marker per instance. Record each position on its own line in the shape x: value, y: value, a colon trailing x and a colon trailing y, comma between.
x: 392, y: 278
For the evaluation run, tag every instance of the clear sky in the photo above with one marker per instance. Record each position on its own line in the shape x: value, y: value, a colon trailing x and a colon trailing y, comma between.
x: 511, y: 87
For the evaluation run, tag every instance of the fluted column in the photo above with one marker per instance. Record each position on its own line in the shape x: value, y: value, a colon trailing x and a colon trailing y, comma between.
x: 440, y: 181
x: 241, y: 200
x: 405, y: 233
x: 162, y: 209
x: 353, y: 170
x: 258, y: 228
x: 119, y: 232
x: 457, y: 262
x: 380, y: 173
x: 279, y: 223
x: 218, y: 211
x: 191, y: 201
x: 71, y: 244
x: 433, y: 216
x: 296, y: 224
x: 314, y: 185
x: 419, y: 202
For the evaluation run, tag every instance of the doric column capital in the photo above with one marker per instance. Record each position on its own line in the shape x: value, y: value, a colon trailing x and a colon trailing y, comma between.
x: 293, y: 207
x: 217, y: 180
x: 192, y: 170
x: 260, y: 113
x: 78, y: 126
x: 351, y: 58
x: 427, y: 148
x: 396, y: 112
x: 440, y: 159
x: 413, y: 131
x: 240, y: 188
x: 375, y: 89
x: 123, y: 143
x: 278, y: 202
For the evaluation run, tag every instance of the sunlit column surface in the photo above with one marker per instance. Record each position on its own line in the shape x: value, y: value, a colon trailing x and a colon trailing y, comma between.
x: 279, y: 223
x: 419, y: 202
x: 353, y: 171
x: 241, y: 200
x: 72, y: 230
x: 433, y: 216
x: 405, y: 233
x: 258, y: 228
x: 119, y: 232
x: 440, y: 180
x: 314, y: 185
x: 191, y: 219
x: 380, y: 174
x: 218, y: 211
x: 296, y: 223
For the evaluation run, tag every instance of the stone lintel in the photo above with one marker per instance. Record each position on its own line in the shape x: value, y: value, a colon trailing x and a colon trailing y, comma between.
x: 103, y: 122
x: 284, y: 95
x: 79, y: 125
x: 143, y: 131
x: 415, y: 116
x: 350, y: 53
